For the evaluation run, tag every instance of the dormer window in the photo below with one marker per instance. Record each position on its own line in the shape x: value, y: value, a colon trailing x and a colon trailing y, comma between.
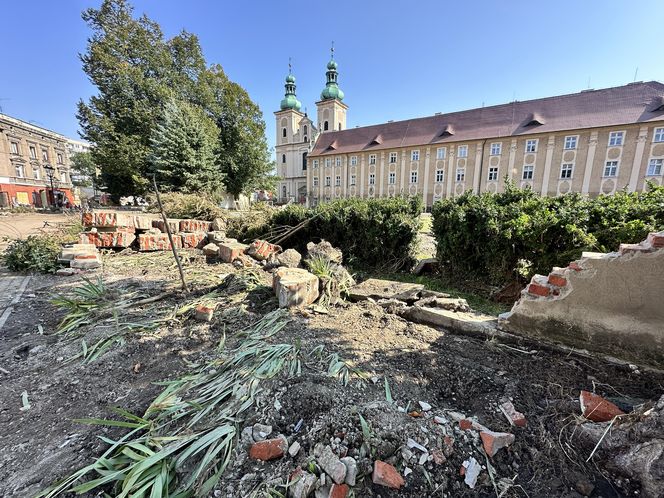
x: 377, y: 140
x: 534, y: 119
x: 447, y: 131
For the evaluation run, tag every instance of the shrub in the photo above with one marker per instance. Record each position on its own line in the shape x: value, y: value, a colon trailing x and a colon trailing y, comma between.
x: 36, y: 253
x: 178, y: 205
x: 377, y: 233
x: 497, y: 237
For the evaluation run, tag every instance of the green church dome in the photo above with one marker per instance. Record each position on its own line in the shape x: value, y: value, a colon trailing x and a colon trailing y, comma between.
x: 290, y: 79
x: 290, y: 100
x: 331, y: 90
x: 332, y: 64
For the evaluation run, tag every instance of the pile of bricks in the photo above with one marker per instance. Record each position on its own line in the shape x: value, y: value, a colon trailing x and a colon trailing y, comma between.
x: 78, y: 257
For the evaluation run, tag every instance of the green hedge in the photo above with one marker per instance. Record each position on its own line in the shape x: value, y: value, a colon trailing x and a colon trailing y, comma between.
x: 496, y: 237
x: 376, y: 233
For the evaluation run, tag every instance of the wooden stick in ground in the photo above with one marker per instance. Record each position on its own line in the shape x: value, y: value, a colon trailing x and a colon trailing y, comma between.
x: 170, y: 236
x: 294, y: 230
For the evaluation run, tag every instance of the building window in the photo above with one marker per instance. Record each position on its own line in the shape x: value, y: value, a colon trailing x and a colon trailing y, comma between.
x: 326, y: 126
x: 460, y: 174
x: 372, y: 179
x: 283, y: 158
x: 528, y: 170
x: 659, y: 135
x: 338, y: 161
x: 352, y: 179
x: 315, y: 163
x: 19, y: 171
x: 306, y: 132
x: 440, y: 176
x: 36, y: 174
x: 413, y: 177
x: 328, y: 181
x: 337, y: 181
x: 315, y: 181
x: 393, y: 157
x: 60, y: 158
x: 353, y: 160
x: 462, y: 151
x: 304, y: 161
x: 392, y: 178
x: 611, y: 168
x: 616, y: 138
x: 44, y: 155
x: 570, y: 142
x: 372, y: 158
x: 283, y: 132
x: 496, y: 148
x: 328, y: 162
x: 63, y: 177
x: 531, y: 145
x: 33, y: 152
x: 566, y: 170
x: 655, y: 167
x: 14, y: 148
x: 493, y: 173
x: 441, y: 152
x: 415, y: 155
x: 339, y: 127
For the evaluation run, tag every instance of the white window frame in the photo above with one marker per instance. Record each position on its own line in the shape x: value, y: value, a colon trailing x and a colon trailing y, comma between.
x: 19, y: 170
x: 440, y: 175
x: 372, y: 158
x: 612, y: 167
x: 571, y: 142
x: 496, y: 148
x: 415, y: 155
x: 337, y: 181
x: 655, y: 167
x: 353, y: 160
x: 353, y: 179
x: 315, y: 181
x: 372, y: 179
x: 530, y: 171
x: 531, y: 145
x: 338, y: 161
x: 14, y: 148
x: 493, y: 174
x: 462, y: 151
x: 441, y: 152
x: 658, y: 135
x: 566, y: 168
x: 328, y: 181
x: 32, y: 149
x: 393, y: 158
x: 392, y: 178
x: 36, y: 172
x: 328, y: 162
x: 60, y: 158
x: 616, y: 138
x: 413, y: 177
x: 315, y: 163
x: 460, y: 175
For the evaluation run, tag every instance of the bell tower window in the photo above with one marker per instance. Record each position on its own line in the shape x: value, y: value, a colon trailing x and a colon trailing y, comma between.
x: 283, y: 132
x: 326, y: 126
x: 283, y: 158
x: 304, y: 161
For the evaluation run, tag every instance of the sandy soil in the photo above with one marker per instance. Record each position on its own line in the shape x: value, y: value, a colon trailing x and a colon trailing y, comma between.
x: 19, y: 226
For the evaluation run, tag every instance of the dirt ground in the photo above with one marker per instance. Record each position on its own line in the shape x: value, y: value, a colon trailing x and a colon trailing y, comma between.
x: 20, y: 225
x: 42, y: 443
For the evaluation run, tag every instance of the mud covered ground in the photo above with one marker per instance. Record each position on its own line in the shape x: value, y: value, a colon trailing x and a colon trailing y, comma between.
x: 471, y: 375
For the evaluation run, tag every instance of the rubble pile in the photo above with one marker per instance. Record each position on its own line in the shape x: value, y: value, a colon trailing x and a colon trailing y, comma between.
x: 78, y: 257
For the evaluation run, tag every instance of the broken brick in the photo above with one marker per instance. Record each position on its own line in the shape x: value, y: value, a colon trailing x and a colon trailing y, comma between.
x: 557, y: 280
x: 86, y: 256
x: 465, y: 424
x: 195, y: 226
x: 538, y: 290
x: 204, y: 313
x: 656, y: 240
x: 194, y: 240
x: 270, y: 449
x: 157, y: 242
x: 173, y: 225
x: 596, y: 408
x: 438, y: 456
x: 339, y: 491
x: 118, y: 238
x: 514, y: 417
x: 494, y: 441
x: 385, y: 474
x: 87, y: 219
x: 229, y: 251
x: 261, y: 249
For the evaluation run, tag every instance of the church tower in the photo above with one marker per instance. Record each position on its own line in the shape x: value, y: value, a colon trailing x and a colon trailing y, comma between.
x: 331, y: 111
x: 295, y: 135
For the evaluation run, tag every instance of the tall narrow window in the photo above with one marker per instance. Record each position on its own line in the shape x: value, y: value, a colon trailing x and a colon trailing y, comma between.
x: 413, y: 177
x: 339, y: 127
x: 304, y: 161
x: 33, y: 152
x: 392, y: 179
x: 306, y: 132
x: 283, y: 132
x: 353, y: 160
x: 372, y: 158
x: 440, y: 176
x: 326, y: 126
x: 566, y: 170
x: 337, y: 181
x: 14, y: 148
x: 352, y: 179
x: 440, y: 152
x: 460, y: 174
x: 328, y: 162
x: 283, y: 158
x: 528, y: 171
x: 328, y: 181
x: 372, y: 179
x: 60, y: 158
x: 338, y: 162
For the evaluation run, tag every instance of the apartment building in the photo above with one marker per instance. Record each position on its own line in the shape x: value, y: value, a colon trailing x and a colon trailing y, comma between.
x: 34, y: 165
x: 593, y: 142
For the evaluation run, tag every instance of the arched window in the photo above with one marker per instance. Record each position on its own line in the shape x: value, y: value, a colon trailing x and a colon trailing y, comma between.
x: 306, y: 129
x: 283, y: 158
x: 283, y: 132
x: 306, y: 138
x: 283, y: 191
x: 304, y: 161
x: 326, y: 126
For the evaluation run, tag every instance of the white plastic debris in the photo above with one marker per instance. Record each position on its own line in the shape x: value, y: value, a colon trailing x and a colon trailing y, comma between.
x: 411, y: 443
x: 473, y: 469
x: 425, y: 406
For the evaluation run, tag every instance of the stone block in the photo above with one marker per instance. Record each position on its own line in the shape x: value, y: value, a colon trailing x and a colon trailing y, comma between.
x: 375, y: 288
x: 211, y: 250
x: 85, y: 264
x: 229, y: 251
x: 194, y: 240
x: 195, y: 226
x: 295, y: 287
x: 219, y: 225
x: 218, y: 237
x: 149, y: 242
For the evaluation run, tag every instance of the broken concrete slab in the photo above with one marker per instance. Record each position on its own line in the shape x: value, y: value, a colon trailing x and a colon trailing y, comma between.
x: 460, y: 321
x: 427, y: 265
x: 295, y: 287
x: 211, y: 249
x: 374, y: 288
x: 324, y: 250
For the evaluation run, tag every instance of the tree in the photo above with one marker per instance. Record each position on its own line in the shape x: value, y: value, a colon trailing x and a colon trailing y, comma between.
x: 183, y: 154
x: 84, y: 169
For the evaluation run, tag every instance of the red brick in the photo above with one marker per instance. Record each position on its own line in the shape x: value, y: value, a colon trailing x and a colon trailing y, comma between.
x: 385, y: 474
x: 113, y: 219
x: 195, y: 226
x: 513, y: 416
x: 204, y: 313
x: 339, y: 491
x: 494, y: 441
x: 596, y: 408
x: 539, y: 290
x: 173, y: 224
x: 87, y: 219
x: 465, y: 424
x: 85, y: 256
x: 656, y: 240
x: 261, y: 249
x: 229, y: 251
x: 575, y: 266
x: 193, y: 240
x: 270, y: 449
x: 158, y: 242
x: 557, y: 280
x: 119, y: 238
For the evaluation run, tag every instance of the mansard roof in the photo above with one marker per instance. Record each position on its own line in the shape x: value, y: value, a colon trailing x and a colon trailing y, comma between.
x: 634, y: 103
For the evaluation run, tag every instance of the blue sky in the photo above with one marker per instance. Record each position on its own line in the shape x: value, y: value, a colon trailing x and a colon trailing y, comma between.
x: 396, y: 59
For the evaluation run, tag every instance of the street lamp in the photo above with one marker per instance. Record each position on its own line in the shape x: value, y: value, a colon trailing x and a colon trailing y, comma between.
x: 50, y: 171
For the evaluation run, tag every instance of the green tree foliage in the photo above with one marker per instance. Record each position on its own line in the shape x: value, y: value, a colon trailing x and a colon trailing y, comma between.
x: 137, y: 73
x: 497, y: 237
x: 86, y: 170
x: 183, y: 155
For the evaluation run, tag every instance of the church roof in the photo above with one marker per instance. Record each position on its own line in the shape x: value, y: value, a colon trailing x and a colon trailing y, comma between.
x: 633, y: 103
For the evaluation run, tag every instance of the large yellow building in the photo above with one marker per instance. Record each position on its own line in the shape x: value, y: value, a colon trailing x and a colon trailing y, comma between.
x: 595, y: 141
